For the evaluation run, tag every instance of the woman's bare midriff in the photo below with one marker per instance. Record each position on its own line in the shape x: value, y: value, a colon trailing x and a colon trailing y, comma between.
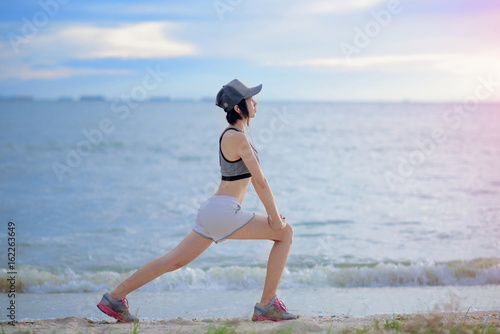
x: 236, y: 188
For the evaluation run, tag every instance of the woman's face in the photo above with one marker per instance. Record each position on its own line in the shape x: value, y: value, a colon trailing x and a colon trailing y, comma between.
x: 251, y: 106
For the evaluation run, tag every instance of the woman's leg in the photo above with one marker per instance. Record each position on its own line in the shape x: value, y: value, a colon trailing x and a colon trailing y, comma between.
x: 186, y: 251
x: 258, y: 228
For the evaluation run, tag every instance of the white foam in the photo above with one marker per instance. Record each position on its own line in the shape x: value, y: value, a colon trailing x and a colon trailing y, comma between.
x: 456, y: 273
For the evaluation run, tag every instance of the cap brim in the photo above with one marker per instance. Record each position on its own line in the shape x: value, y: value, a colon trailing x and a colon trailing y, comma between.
x: 253, y: 91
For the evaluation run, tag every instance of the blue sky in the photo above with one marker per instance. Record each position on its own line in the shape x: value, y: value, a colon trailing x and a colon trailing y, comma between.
x: 359, y: 50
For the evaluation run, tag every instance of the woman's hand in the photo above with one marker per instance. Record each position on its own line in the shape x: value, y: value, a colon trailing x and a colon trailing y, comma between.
x: 278, y: 225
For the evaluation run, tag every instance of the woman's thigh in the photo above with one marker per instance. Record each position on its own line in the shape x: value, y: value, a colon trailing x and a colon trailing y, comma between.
x: 258, y: 228
x: 189, y: 248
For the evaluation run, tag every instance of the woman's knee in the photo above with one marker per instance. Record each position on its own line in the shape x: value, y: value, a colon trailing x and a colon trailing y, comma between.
x: 287, y: 233
x: 178, y: 265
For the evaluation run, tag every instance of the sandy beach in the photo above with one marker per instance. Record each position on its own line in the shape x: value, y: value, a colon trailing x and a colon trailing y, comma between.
x: 436, y: 322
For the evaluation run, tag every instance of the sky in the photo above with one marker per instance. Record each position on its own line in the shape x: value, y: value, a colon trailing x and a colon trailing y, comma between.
x: 318, y: 50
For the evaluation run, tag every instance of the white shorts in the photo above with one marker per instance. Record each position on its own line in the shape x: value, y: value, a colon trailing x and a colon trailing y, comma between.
x: 219, y: 217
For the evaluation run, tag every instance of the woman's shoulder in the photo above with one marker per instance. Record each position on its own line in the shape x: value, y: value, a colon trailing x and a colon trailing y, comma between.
x: 233, y: 134
x: 234, y: 138
x: 231, y: 131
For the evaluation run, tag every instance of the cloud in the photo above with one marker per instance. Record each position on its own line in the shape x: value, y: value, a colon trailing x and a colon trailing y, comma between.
x: 45, y: 55
x: 26, y: 73
x: 133, y: 40
x: 337, y: 6
x: 175, y: 9
x: 459, y: 64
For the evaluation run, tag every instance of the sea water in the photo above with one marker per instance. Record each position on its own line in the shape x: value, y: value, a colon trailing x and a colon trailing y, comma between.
x: 379, y: 195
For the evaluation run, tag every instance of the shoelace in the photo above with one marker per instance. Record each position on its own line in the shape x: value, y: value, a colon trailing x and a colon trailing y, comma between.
x: 125, y: 302
x: 279, y: 304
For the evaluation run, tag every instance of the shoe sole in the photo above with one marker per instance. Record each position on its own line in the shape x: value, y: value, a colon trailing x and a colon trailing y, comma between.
x: 105, y: 309
x: 261, y: 318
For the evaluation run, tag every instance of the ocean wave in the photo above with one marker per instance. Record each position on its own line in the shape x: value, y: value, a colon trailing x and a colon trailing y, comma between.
x: 382, y: 274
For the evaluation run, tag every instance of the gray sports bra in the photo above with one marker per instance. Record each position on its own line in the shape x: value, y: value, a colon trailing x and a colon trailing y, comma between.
x: 234, y: 170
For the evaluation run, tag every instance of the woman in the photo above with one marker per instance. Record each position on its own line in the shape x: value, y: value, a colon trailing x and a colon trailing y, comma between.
x: 220, y: 217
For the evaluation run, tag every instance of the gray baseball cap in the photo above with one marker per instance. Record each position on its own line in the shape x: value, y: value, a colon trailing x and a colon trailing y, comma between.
x: 232, y: 93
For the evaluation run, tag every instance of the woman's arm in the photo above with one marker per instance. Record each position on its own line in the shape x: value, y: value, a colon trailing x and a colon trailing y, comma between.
x: 259, y: 181
x: 269, y: 219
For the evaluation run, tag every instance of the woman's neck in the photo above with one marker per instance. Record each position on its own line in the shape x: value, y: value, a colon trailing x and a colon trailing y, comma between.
x: 240, y: 124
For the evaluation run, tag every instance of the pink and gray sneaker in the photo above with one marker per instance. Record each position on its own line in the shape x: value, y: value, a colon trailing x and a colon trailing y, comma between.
x: 275, y: 311
x: 116, y: 308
